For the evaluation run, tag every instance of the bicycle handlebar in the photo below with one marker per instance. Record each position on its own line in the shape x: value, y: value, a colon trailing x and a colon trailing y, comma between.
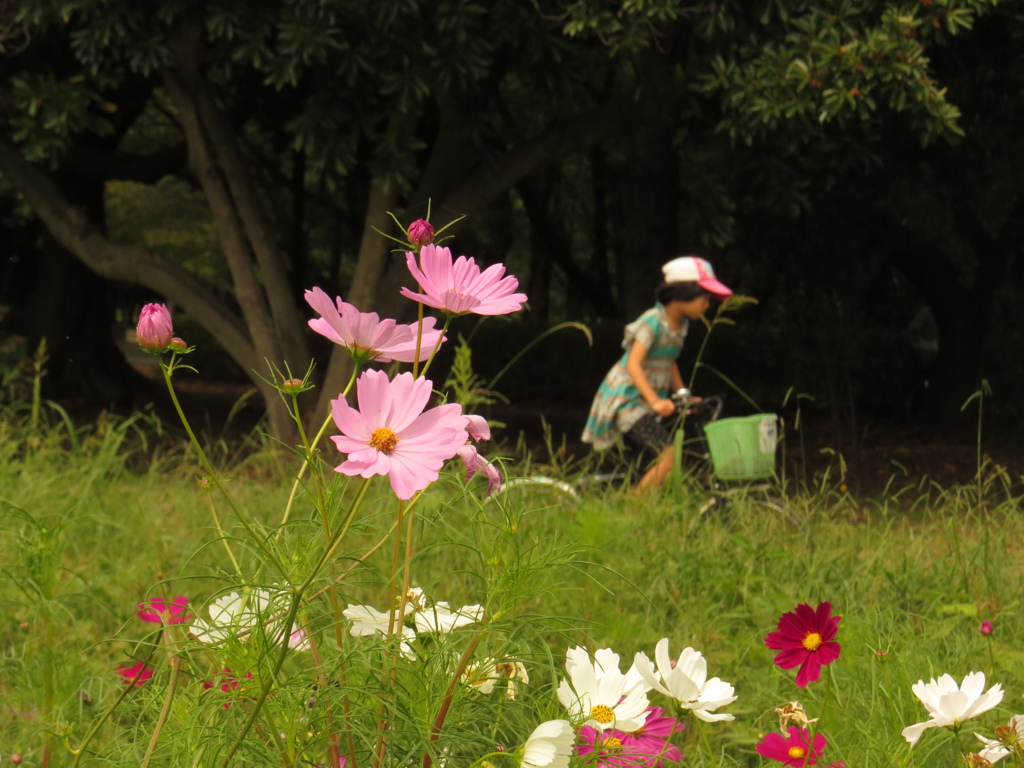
x: 708, y: 407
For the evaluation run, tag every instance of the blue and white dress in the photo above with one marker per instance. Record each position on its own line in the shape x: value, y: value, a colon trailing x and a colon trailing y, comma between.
x: 618, y: 404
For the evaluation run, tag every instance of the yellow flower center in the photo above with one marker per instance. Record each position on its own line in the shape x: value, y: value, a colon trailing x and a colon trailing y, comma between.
x: 611, y: 743
x: 384, y: 440
x: 796, y: 752
x: 603, y: 714
x: 812, y: 641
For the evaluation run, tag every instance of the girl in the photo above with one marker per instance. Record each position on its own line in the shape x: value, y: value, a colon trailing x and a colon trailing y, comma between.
x: 632, y: 401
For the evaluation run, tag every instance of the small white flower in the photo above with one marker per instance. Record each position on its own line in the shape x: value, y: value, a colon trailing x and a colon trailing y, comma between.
x: 442, y: 619
x: 1013, y: 737
x: 686, y: 680
x: 606, y: 660
x: 949, y: 704
x: 549, y: 746
x: 598, y: 694
x: 482, y: 677
x: 367, y: 621
x: 242, y: 616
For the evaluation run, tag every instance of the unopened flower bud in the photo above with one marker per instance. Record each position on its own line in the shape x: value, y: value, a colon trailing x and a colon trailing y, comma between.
x: 178, y: 345
x: 420, y: 233
x: 986, y: 628
x: 16, y: 758
x: 292, y: 386
x: 154, y: 331
x: 882, y: 655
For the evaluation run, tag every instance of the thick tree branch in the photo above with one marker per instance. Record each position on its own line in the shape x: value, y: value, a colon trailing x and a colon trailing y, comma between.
x: 74, y: 231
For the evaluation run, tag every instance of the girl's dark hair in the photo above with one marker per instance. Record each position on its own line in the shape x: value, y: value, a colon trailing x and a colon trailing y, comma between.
x: 685, y: 291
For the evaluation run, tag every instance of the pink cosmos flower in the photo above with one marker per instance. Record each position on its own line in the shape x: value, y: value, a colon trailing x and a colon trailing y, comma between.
x: 476, y: 463
x: 156, y: 610
x: 647, y: 746
x: 391, y: 434
x: 420, y: 233
x: 461, y: 287
x: 154, y: 331
x: 139, y: 673
x: 478, y: 427
x: 366, y: 336
x: 986, y: 628
x: 794, y: 750
x: 806, y: 639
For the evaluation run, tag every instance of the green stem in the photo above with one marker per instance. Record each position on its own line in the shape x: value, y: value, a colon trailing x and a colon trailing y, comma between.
x: 338, y: 537
x: 442, y: 713
x: 437, y: 346
x: 223, y: 538
x: 396, y: 615
x: 825, y: 700
x: 172, y: 686
x: 419, y: 336
x: 271, y: 679
x: 704, y: 738
x: 214, y: 478
x: 91, y: 734
x: 310, y: 450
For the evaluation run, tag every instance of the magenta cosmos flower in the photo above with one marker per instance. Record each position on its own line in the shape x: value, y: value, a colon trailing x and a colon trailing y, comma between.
x: 794, y: 750
x: 156, y: 610
x: 139, y: 674
x: 366, y: 336
x: 806, y: 639
x: 459, y: 287
x: 647, y: 746
x: 154, y: 331
x: 391, y: 433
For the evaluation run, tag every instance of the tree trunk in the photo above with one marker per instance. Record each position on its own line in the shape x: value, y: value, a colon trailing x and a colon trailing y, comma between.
x: 651, y: 193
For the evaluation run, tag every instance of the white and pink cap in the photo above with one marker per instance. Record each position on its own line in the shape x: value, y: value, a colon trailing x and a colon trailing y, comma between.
x: 692, y: 269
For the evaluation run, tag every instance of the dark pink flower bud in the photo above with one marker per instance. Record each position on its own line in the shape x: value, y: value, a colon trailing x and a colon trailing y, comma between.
x: 986, y: 628
x: 178, y: 345
x: 16, y: 758
x: 420, y: 233
x: 154, y: 331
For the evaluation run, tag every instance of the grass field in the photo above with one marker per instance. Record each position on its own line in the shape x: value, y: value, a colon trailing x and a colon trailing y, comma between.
x: 94, y: 526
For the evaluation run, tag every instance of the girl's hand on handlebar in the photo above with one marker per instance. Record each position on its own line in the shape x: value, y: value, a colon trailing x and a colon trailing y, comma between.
x: 664, y: 407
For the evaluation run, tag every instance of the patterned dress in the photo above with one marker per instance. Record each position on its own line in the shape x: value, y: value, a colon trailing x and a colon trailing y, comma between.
x: 618, y: 404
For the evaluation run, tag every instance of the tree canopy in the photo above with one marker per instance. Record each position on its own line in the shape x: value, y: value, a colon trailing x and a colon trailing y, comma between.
x: 593, y: 137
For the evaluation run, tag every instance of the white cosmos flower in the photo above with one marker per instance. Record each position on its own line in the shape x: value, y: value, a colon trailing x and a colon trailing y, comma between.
x: 242, y: 616
x: 606, y: 660
x: 1011, y: 739
x: 686, y: 681
x: 598, y: 695
x: 549, y: 746
x: 483, y: 676
x: 949, y: 704
x: 442, y: 619
x: 367, y: 621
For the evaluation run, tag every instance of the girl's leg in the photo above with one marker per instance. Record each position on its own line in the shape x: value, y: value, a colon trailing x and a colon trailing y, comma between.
x: 658, y: 474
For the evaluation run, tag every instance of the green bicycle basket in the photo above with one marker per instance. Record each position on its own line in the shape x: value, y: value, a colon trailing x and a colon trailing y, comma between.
x: 743, y: 448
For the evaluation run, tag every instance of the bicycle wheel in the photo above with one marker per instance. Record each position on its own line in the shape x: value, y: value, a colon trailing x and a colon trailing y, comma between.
x: 537, y: 489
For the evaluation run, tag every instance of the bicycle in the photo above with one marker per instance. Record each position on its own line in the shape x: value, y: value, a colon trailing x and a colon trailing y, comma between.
x: 724, y: 466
